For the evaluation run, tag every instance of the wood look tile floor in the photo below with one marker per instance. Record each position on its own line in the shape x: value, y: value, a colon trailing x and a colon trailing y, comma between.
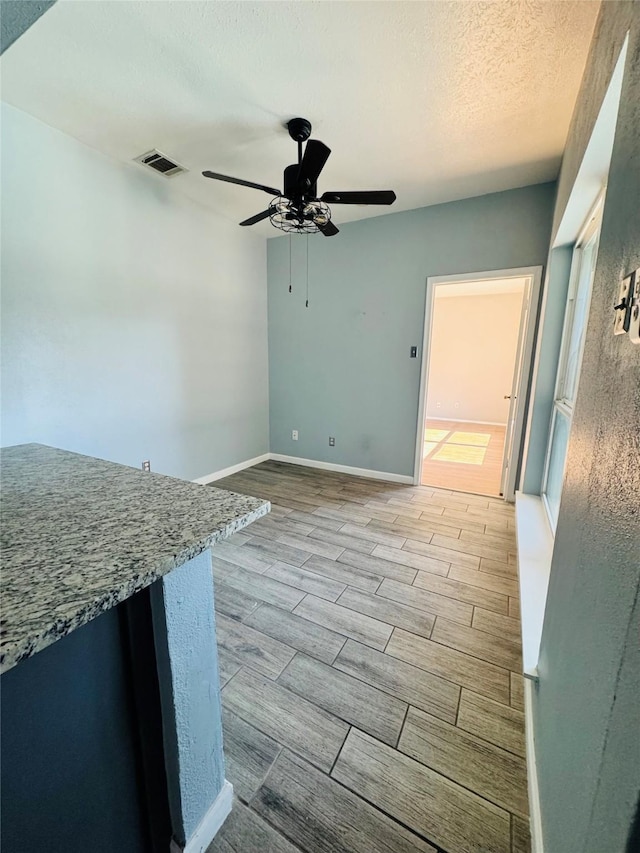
x: 369, y: 651
x: 465, y: 457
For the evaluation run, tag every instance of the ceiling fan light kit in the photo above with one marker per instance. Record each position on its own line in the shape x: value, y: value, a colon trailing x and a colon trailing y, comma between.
x: 297, y: 209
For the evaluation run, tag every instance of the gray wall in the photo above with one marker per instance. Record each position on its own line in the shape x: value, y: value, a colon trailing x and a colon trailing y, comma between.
x: 133, y: 320
x: 342, y: 366
x: 586, y: 709
x: 187, y: 659
x: 70, y: 772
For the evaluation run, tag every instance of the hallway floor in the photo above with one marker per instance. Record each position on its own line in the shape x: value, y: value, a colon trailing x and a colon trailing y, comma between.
x: 463, y: 456
x: 369, y: 648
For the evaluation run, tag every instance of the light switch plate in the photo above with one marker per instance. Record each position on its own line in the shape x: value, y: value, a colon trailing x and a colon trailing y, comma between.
x: 623, y: 305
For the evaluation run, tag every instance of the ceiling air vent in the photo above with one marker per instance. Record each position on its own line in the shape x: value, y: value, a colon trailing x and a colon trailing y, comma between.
x: 160, y: 163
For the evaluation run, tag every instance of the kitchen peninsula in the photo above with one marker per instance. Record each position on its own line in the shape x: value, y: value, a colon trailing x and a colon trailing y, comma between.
x: 110, y: 696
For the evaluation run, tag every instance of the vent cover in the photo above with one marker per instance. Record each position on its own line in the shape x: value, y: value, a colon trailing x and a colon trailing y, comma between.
x: 160, y: 163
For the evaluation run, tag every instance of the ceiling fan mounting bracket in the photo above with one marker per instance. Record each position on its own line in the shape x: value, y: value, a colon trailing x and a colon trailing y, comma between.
x: 299, y: 129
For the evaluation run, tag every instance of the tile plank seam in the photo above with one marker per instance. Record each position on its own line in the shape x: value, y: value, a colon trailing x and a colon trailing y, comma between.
x: 461, y: 784
x: 386, y: 813
x: 382, y: 689
x: 392, y: 817
x: 470, y: 653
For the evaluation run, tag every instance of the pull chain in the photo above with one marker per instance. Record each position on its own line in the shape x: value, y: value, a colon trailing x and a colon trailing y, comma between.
x: 289, y: 262
x: 306, y: 305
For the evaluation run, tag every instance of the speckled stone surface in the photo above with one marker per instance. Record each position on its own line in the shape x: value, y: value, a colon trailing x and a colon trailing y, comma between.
x: 80, y: 535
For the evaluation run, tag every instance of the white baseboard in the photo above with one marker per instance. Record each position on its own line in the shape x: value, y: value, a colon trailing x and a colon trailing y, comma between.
x: 535, y: 816
x: 342, y: 469
x: 467, y: 421
x: 232, y: 469
x: 209, y: 825
x: 307, y: 463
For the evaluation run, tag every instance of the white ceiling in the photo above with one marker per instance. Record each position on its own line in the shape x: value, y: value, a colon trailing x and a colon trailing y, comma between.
x: 436, y: 100
x: 487, y: 287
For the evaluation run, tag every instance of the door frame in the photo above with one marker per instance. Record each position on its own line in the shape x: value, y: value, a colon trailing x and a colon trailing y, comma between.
x: 535, y: 276
x: 507, y: 478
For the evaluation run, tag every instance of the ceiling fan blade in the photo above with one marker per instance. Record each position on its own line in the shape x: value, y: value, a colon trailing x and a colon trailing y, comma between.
x: 315, y: 156
x: 364, y: 197
x: 241, y: 183
x: 257, y: 218
x: 329, y: 230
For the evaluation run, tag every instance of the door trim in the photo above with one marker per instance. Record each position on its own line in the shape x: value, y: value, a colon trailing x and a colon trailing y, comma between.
x: 521, y: 438
x: 535, y: 274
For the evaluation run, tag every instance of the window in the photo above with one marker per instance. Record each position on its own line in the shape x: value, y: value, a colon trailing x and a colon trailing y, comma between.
x: 575, y: 325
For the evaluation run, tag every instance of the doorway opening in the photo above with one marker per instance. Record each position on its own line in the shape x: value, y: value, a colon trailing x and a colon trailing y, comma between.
x: 479, y: 332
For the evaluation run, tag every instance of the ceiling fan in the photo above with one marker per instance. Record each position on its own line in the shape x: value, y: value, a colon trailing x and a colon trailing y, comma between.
x: 297, y: 208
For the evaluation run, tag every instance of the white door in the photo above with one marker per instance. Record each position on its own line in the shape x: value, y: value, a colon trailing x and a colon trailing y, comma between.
x: 516, y: 409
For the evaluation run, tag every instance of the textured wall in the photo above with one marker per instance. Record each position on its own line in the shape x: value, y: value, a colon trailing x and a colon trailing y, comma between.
x: 16, y: 17
x: 187, y: 656
x: 134, y: 322
x: 586, y: 710
x: 608, y: 38
x: 342, y: 367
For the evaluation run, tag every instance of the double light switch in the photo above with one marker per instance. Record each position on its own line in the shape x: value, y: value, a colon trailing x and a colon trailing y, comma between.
x: 627, y: 308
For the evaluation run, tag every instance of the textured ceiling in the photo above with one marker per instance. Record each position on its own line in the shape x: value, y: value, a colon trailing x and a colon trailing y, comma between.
x: 436, y: 100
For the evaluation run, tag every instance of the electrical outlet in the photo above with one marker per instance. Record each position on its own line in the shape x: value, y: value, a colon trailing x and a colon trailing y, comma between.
x: 456, y: 405
x: 146, y: 465
x: 294, y: 434
x: 438, y: 404
x: 332, y: 441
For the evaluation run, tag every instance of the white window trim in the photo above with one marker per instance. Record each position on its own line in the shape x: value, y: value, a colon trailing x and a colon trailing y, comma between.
x: 590, y: 228
x: 558, y: 406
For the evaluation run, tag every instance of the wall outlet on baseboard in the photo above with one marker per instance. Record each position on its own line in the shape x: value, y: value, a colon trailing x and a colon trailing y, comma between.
x: 294, y: 434
x: 146, y: 465
x: 332, y: 441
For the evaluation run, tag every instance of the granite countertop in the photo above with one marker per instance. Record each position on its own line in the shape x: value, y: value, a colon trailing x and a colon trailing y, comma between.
x: 80, y: 535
